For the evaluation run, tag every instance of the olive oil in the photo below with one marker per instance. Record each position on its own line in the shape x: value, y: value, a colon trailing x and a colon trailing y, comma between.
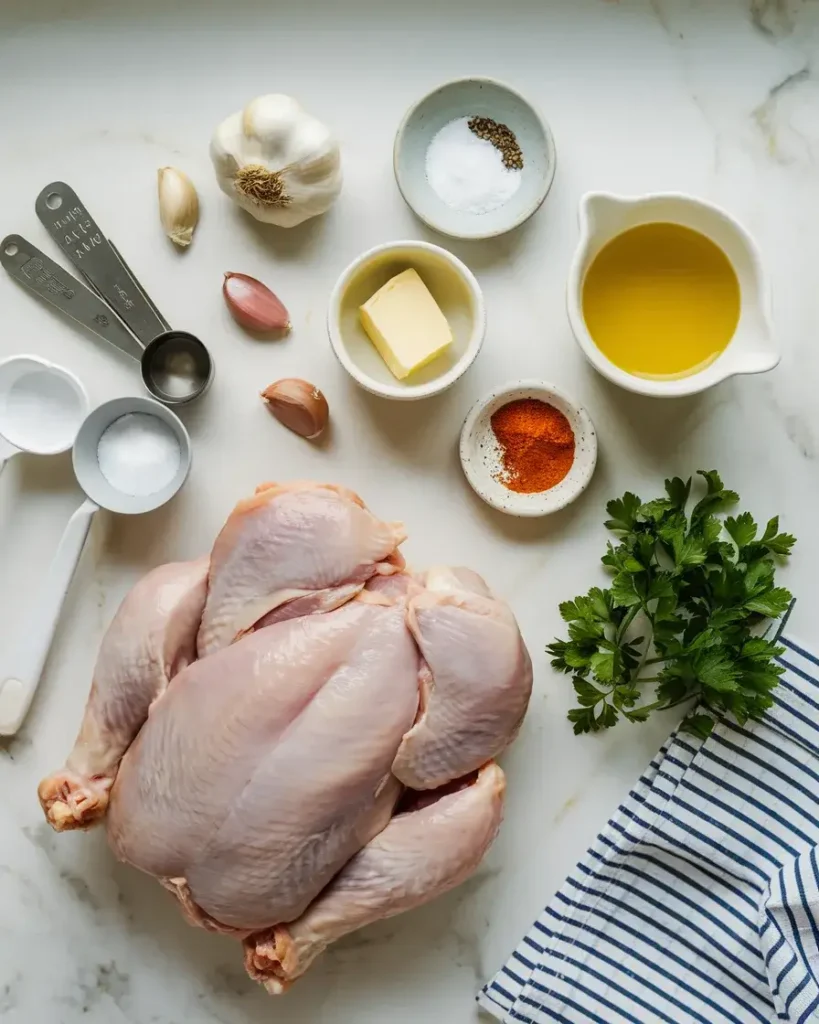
x: 661, y: 300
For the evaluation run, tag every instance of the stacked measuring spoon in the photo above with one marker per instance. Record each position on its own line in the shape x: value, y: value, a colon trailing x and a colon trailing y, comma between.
x: 176, y: 366
x: 43, y: 410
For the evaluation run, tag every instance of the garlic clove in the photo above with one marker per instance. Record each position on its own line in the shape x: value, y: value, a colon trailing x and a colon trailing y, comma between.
x: 299, y: 405
x: 178, y: 205
x: 253, y: 305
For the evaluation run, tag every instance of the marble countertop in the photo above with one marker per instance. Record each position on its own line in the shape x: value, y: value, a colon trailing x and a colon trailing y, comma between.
x: 716, y: 99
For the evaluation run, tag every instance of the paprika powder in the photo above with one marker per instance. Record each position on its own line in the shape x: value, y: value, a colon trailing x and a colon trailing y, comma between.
x: 536, y: 445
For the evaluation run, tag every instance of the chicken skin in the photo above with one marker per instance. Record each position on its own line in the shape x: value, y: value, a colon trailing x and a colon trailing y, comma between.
x: 296, y: 736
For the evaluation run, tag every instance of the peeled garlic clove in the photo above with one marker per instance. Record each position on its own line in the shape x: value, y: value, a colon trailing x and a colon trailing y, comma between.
x: 253, y: 305
x: 299, y: 405
x: 178, y: 205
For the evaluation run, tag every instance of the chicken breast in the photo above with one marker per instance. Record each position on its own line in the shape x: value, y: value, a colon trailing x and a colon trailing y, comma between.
x: 291, y: 550
x: 259, y: 773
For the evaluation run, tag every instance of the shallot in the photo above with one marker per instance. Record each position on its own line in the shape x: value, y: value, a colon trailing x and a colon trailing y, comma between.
x: 253, y: 305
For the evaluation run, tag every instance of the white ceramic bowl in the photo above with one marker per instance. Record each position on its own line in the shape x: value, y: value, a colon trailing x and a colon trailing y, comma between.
x: 480, y: 456
x: 453, y: 286
x: 753, y: 348
x: 473, y: 97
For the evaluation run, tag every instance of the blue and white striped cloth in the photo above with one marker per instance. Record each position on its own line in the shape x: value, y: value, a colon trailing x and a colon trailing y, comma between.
x: 699, y: 900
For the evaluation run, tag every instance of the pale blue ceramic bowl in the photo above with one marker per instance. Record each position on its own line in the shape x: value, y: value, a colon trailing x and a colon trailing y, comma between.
x: 473, y: 97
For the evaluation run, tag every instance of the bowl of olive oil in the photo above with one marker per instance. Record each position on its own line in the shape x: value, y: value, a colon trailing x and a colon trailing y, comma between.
x: 667, y: 294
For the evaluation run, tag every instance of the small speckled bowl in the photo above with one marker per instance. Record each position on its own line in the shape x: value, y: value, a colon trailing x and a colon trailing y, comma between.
x: 480, y: 454
x: 473, y: 97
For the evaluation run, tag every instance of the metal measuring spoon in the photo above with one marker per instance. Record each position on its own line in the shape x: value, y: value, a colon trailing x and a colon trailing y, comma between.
x: 21, y: 664
x: 176, y: 365
x: 50, y: 282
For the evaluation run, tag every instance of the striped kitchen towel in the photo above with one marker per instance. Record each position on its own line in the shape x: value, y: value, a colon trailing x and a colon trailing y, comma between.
x: 699, y: 900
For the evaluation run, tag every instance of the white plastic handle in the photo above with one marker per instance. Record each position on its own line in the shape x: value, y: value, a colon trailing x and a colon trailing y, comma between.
x: 6, y: 452
x: 20, y: 674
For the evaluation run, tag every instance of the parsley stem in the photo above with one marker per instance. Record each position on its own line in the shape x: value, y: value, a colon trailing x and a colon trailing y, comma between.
x: 681, y: 700
x: 631, y: 614
x: 663, y: 706
x: 651, y: 707
x: 658, y: 704
x: 655, y: 661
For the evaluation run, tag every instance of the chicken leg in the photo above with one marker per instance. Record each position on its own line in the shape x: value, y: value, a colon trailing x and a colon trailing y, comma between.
x: 152, y: 638
x: 419, y: 855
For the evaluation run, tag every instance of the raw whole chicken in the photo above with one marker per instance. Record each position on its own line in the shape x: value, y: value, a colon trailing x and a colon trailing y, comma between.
x: 296, y: 736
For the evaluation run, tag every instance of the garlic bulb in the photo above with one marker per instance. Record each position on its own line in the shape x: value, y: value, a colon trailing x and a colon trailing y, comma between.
x: 178, y: 205
x: 277, y: 161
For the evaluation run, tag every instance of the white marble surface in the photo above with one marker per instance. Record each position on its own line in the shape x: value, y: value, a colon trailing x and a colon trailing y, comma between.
x: 715, y: 97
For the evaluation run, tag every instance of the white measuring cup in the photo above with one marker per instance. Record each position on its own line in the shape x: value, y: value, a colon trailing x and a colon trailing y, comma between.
x: 21, y: 666
x: 41, y: 407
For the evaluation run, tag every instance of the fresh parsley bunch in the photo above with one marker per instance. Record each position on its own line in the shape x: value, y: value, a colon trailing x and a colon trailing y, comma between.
x: 702, y: 585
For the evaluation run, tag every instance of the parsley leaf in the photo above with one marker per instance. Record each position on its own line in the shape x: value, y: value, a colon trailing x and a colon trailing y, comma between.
x: 742, y: 529
x: 678, y: 492
x: 776, y: 542
x: 625, y: 592
x: 699, y: 725
x: 623, y: 512
x: 717, y: 498
x: 772, y: 603
x: 702, y: 584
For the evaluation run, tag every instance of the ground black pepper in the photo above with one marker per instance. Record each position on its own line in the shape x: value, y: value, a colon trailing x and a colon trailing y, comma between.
x: 501, y: 137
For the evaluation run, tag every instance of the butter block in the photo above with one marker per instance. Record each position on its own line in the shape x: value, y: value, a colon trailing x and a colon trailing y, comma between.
x: 405, y: 324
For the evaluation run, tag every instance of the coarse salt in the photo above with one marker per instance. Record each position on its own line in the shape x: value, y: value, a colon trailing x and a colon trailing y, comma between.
x: 468, y: 172
x: 139, y: 454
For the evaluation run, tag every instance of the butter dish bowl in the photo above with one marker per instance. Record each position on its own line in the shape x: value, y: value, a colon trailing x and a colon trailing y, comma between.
x: 454, y: 288
x: 481, y: 457
x: 503, y: 108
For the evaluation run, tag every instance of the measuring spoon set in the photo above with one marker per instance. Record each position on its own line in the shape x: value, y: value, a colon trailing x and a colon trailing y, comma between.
x: 44, y: 408
x: 176, y: 366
